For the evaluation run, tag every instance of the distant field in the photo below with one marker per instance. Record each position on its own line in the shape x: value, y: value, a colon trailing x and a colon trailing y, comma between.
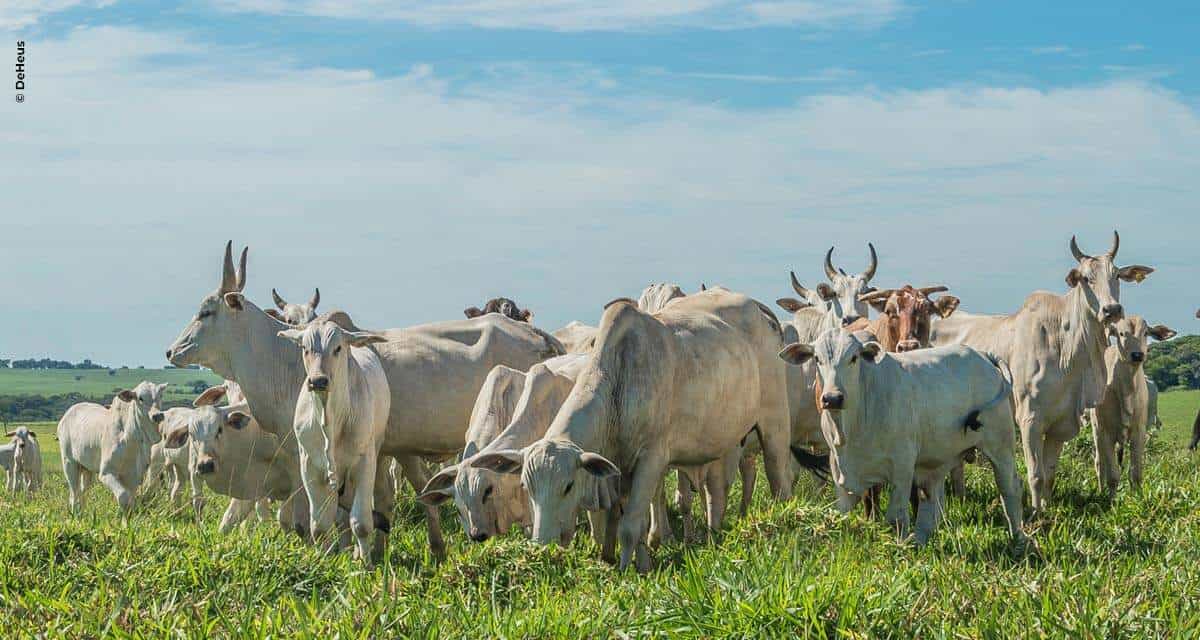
x: 1128, y: 568
x: 97, y: 382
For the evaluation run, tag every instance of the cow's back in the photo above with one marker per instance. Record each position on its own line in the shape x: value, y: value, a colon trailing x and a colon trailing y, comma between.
x: 84, y: 431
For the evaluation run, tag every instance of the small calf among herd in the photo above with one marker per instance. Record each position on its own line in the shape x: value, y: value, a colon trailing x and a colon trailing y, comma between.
x: 318, y: 417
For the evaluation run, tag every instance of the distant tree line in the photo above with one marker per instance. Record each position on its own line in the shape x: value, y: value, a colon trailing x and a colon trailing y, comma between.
x: 1175, y: 364
x: 48, y: 363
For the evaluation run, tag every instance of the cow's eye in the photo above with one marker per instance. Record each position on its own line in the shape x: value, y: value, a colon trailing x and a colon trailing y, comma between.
x: 487, y: 493
x: 570, y: 485
x: 853, y: 359
x: 219, y: 430
x: 337, y: 349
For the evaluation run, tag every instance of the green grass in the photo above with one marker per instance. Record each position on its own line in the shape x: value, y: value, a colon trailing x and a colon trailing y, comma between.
x: 97, y: 382
x: 1130, y: 568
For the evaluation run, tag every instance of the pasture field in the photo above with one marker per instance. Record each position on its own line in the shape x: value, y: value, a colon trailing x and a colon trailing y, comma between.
x: 98, y: 382
x: 1129, y: 568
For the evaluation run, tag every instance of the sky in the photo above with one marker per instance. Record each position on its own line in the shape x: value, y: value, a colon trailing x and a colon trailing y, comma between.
x: 412, y: 159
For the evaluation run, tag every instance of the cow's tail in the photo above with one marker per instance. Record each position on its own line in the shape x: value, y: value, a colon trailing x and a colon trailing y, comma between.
x: 816, y: 463
x: 1005, y: 395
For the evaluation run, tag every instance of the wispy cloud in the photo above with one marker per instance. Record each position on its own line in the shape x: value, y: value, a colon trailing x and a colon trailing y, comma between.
x: 931, y: 52
x: 131, y: 165
x: 17, y: 14
x: 592, y: 15
x: 1049, y: 50
x: 829, y: 74
x: 1134, y: 47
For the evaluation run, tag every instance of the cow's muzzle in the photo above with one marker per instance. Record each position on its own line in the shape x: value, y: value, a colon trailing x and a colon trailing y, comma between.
x: 832, y: 401
x: 205, y: 467
x: 908, y: 345
x: 1137, y: 356
x: 478, y: 535
x: 318, y: 383
x: 1113, y: 312
x: 157, y: 416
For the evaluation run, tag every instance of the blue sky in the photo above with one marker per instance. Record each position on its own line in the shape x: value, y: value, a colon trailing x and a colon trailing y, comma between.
x: 415, y: 158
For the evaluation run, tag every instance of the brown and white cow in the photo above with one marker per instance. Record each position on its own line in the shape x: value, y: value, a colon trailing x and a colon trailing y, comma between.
x: 504, y: 306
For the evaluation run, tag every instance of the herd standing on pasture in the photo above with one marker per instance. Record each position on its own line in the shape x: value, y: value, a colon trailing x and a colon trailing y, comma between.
x: 319, y: 419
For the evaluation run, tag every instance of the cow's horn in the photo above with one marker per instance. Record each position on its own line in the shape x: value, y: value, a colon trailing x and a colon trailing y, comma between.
x: 925, y: 291
x: 1112, y: 253
x: 316, y: 299
x: 830, y: 272
x: 870, y: 272
x: 279, y: 301
x: 799, y: 288
x: 228, y: 277
x: 241, y: 272
x: 876, y: 295
x: 1079, y: 255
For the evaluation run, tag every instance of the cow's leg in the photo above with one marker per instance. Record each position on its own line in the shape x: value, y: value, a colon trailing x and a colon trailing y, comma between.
x: 123, y: 495
x: 871, y: 501
x: 1051, y: 452
x: 362, y: 521
x: 660, y: 526
x: 998, y: 447
x: 775, y: 435
x: 75, y: 486
x: 414, y: 472
x: 898, y: 505
x: 262, y: 507
x: 175, y: 477
x: 197, y: 495
x: 958, y: 479
x: 929, y: 509
x: 234, y: 514
x: 1107, y: 470
x: 684, y: 494
x: 1137, y: 453
x: 748, y: 469
x: 717, y: 494
x: 385, y: 504
x: 596, y: 522
x: 631, y: 531
x: 1033, y: 442
x: 612, y: 519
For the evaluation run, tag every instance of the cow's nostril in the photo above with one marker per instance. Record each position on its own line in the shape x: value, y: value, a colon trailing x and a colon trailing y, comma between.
x: 1114, y: 311
x: 832, y: 400
x: 205, y: 466
x: 1137, y: 356
x: 320, y: 383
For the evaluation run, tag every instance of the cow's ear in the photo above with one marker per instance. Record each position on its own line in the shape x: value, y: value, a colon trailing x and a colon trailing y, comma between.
x: 506, y: 461
x: 211, y: 396
x: 126, y: 395
x: 278, y: 316
x: 796, y: 353
x: 363, y: 338
x: 872, y: 351
x: 791, y: 304
x: 598, y: 465
x: 237, y: 420
x: 291, y: 334
x: 826, y: 292
x: 472, y: 312
x: 235, y: 300
x: 162, y: 388
x: 1161, y: 332
x: 527, y: 315
x: 945, y: 305
x: 176, y: 438
x: 1134, y: 273
x: 1074, y: 277
x: 434, y: 498
x: 442, y: 480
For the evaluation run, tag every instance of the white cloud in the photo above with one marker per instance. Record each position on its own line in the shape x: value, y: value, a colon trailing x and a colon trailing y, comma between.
x: 1134, y: 47
x: 1051, y: 49
x: 590, y: 15
x: 409, y: 198
x: 18, y: 14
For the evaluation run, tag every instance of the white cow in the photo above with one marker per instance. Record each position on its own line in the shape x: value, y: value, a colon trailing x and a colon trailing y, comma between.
x: 829, y: 306
x: 109, y: 443
x: 1055, y: 347
x: 682, y: 387
x: 173, y: 463
x: 906, y: 419
x: 513, y: 410
x: 1123, y: 415
x: 576, y: 337
x: 340, y: 424
x: 295, y: 314
x: 25, y: 467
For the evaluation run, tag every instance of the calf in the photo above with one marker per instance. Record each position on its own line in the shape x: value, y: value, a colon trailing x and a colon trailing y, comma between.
x: 295, y: 314
x: 341, y: 420
x: 25, y: 468
x: 110, y: 443
x: 172, y: 462
x: 1123, y: 414
x: 504, y: 306
x: 907, y: 418
x: 513, y: 410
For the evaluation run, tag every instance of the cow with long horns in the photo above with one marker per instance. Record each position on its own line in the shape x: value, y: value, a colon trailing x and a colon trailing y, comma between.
x: 295, y: 314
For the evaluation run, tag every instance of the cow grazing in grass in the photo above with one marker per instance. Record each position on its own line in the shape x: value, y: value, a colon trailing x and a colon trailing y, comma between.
x: 682, y: 387
x: 905, y: 419
x: 1055, y: 346
x: 503, y: 306
x: 25, y: 465
x: 340, y: 423
x: 295, y: 314
x: 111, y: 444
x: 1121, y: 419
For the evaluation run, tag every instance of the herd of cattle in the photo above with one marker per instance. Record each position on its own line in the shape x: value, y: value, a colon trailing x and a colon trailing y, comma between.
x: 318, y: 419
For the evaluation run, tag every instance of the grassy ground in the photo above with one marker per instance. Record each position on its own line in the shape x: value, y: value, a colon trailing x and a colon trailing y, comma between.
x: 1130, y: 568
x: 97, y: 382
